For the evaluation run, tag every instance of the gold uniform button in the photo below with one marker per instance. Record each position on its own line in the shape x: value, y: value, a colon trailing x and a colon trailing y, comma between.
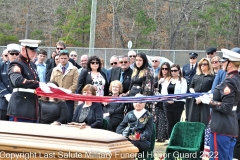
x: 25, y: 97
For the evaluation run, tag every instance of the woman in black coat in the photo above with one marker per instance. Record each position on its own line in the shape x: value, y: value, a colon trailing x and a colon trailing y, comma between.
x: 93, y: 75
x: 88, y: 114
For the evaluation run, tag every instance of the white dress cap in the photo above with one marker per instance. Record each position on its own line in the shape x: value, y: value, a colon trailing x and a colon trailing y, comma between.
x: 30, y: 42
x: 230, y: 55
x: 13, y: 47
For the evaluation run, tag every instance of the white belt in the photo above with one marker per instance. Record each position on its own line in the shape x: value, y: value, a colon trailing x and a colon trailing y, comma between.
x: 234, y: 108
x: 23, y: 90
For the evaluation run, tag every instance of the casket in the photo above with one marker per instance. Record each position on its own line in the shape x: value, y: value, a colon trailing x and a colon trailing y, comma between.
x: 20, y: 141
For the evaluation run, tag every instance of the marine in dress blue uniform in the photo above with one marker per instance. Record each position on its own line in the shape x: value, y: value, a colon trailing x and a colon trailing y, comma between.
x: 22, y: 74
x: 5, y: 88
x: 224, y: 121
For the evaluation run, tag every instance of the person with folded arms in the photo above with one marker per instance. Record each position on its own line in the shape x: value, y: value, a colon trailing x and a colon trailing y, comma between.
x: 22, y: 74
x: 5, y: 88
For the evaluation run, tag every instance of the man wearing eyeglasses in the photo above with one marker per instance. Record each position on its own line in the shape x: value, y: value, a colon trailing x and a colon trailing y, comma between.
x: 122, y: 73
x: 114, y: 62
x: 60, y: 45
x: 5, y: 55
x: 155, y: 65
x: 211, y: 52
x: 189, y: 70
x: 5, y: 88
x: 132, y: 55
x: 83, y: 62
x: 73, y: 55
x: 23, y: 77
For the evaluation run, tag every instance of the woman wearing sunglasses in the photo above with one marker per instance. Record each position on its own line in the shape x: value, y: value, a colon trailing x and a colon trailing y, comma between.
x: 216, y: 65
x: 93, y: 75
x: 175, y: 85
x: 201, y: 82
x: 161, y: 119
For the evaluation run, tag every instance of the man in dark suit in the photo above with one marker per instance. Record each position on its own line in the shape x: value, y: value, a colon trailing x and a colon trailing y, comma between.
x: 122, y: 73
x: 189, y: 70
x: 13, y: 51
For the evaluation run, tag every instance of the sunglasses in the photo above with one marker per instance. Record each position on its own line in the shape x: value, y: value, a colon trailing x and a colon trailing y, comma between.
x: 113, y: 63
x: 213, y: 62
x: 59, y: 48
x: 16, y: 54
x: 174, y: 70
x: 73, y: 55
x: 203, y: 64
x: 154, y: 61
x: 210, y: 53
x: 123, y: 62
x: 192, y: 57
x: 94, y: 62
x: 132, y: 56
x: 165, y: 69
x: 5, y: 55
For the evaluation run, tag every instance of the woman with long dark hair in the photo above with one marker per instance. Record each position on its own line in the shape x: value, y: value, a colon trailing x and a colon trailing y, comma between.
x: 175, y: 85
x: 161, y: 119
x: 142, y: 79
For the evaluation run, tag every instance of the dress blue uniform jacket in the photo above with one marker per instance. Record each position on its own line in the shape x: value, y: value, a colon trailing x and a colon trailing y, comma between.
x: 188, y: 74
x: 5, y: 87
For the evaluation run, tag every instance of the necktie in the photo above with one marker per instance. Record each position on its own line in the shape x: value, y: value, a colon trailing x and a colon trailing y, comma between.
x: 63, y: 70
x: 192, y: 68
x: 121, y: 77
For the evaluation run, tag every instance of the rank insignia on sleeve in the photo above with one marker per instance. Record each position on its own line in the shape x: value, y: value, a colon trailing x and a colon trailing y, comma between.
x: 227, y: 90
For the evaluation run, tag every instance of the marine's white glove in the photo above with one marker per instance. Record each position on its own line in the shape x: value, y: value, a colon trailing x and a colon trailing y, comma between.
x: 8, y: 96
x: 44, y: 87
x: 206, y: 99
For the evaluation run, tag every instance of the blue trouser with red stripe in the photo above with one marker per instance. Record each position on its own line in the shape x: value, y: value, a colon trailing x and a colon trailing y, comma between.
x: 221, y: 147
x: 15, y: 119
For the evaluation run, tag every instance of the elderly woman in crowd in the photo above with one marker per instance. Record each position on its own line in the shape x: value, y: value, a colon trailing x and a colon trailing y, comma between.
x: 93, y: 75
x: 175, y: 85
x: 201, y: 82
x: 137, y: 126
x: 114, y: 112
x: 161, y: 119
x: 52, y: 110
x: 88, y: 114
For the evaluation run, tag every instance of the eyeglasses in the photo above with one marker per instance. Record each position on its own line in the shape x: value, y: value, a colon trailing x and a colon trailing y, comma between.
x: 165, y: 69
x: 132, y: 56
x: 174, y: 70
x: 210, y: 53
x: 203, y: 64
x: 193, y: 57
x: 85, y: 92
x: 94, y: 62
x: 59, y: 48
x: 154, y: 61
x: 73, y: 55
x: 16, y: 54
x: 113, y: 63
x: 213, y: 62
x: 5, y: 55
x: 123, y: 62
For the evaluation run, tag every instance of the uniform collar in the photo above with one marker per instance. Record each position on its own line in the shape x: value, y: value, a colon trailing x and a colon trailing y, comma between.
x: 24, y: 58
